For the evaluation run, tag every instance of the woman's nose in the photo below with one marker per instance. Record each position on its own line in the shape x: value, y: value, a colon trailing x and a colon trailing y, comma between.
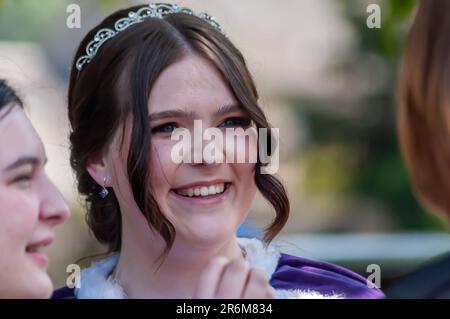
x: 54, y: 209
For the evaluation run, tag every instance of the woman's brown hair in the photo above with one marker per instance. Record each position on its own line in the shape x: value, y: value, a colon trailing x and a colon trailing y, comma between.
x: 8, y: 98
x: 424, y: 105
x: 117, y: 83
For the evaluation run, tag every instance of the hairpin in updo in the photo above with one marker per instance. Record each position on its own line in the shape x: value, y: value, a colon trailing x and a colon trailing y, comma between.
x: 153, y: 10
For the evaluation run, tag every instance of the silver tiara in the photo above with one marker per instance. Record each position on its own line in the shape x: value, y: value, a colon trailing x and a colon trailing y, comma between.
x: 153, y: 10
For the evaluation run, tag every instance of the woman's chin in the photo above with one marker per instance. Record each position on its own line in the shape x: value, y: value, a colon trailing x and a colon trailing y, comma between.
x: 210, y: 236
x: 37, y: 286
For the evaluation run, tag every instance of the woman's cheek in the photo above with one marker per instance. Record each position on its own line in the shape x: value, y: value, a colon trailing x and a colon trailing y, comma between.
x: 162, y: 167
x: 245, y: 175
x: 26, y: 212
x: 245, y: 169
x: 19, y: 216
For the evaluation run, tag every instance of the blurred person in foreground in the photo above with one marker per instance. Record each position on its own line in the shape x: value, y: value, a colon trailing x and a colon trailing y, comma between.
x: 424, y: 133
x: 30, y: 205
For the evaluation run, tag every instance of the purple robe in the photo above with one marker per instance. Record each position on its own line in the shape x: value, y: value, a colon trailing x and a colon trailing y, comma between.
x: 296, y: 273
x: 326, y: 278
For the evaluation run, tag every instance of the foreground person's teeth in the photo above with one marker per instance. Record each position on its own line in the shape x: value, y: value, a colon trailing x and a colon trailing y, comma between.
x: 202, y: 191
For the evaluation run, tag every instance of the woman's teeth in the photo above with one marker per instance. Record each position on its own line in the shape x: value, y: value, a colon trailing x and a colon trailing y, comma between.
x: 202, y: 191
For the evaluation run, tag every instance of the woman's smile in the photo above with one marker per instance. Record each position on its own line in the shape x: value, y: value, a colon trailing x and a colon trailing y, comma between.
x: 33, y: 251
x: 203, y: 193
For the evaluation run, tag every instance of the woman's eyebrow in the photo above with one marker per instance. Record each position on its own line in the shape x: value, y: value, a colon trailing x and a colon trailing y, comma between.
x: 227, y: 108
x: 224, y: 109
x: 25, y: 160
x: 171, y: 113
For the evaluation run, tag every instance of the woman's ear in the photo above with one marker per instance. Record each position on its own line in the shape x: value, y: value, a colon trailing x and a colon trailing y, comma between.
x: 99, y: 170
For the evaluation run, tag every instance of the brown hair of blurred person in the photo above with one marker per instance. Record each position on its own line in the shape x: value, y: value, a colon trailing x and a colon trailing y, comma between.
x: 424, y: 105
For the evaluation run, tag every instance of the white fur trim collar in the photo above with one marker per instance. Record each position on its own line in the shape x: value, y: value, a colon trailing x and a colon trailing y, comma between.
x: 96, y: 283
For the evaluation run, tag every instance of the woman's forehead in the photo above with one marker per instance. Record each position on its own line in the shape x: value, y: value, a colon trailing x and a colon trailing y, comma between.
x: 18, y: 137
x: 191, y: 83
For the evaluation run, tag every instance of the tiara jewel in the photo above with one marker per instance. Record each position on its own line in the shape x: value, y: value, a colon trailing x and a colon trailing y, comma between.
x: 153, y: 10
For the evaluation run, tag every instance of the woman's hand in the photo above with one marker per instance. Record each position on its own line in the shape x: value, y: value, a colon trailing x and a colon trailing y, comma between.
x: 225, y: 279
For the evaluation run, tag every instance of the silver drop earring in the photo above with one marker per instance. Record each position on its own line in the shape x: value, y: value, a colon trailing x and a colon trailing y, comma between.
x: 104, y: 192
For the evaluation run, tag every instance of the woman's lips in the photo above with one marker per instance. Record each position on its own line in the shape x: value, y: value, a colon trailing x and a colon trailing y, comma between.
x: 33, y: 251
x: 204, y: 200
x: 39, y: 258
x: 202, y: 190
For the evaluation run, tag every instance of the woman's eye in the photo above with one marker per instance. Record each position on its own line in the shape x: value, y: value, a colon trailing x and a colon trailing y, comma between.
x: 236, y: 121
x: 164, y: 128
x: 23, y: 181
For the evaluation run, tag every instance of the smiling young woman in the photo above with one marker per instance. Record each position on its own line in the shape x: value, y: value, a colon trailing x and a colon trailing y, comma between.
x: 30, y: 205
x: 171, y: 227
